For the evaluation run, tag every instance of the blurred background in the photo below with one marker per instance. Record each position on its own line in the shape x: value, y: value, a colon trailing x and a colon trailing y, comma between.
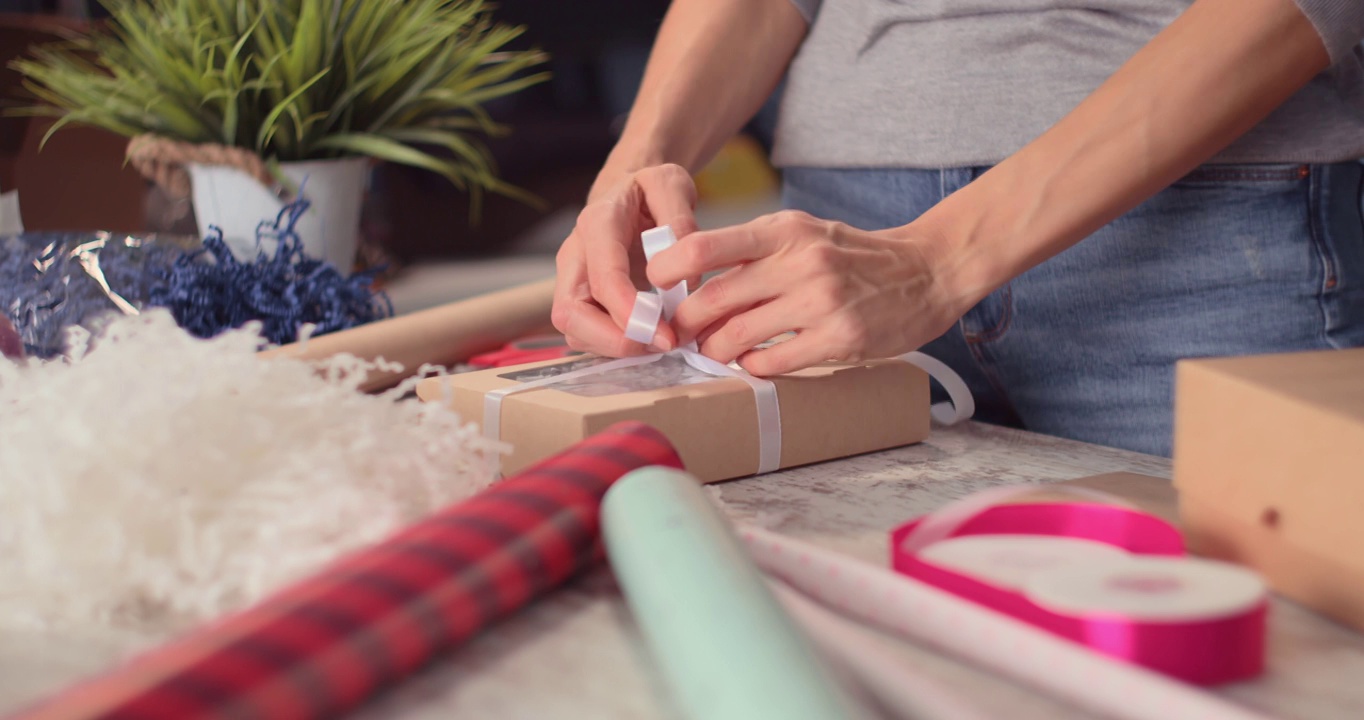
x: 413, y: 220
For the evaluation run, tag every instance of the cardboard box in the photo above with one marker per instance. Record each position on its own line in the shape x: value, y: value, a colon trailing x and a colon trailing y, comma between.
x: 1269, y: 464
x: 828, y: 411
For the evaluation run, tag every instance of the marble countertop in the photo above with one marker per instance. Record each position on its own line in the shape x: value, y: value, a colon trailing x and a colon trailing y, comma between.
x: 577, y: 653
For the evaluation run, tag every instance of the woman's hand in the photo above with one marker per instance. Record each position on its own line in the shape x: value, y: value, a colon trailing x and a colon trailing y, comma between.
x: 704, y: 80
x: 601, y: 262
x: 849, y: 294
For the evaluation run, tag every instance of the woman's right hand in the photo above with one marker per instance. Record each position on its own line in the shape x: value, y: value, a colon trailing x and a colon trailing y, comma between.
x: 600, y: 266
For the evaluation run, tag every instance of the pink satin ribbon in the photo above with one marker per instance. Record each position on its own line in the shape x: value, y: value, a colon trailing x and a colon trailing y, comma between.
x: 1204, y: 651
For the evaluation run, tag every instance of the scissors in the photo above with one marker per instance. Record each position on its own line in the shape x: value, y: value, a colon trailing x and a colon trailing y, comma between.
x: 526, y: 350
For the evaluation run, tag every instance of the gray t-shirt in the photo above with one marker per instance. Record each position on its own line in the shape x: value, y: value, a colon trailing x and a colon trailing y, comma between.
x: 950, y: 83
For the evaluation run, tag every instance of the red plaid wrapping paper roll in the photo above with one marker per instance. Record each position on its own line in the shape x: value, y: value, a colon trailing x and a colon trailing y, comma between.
x: 328, y: 643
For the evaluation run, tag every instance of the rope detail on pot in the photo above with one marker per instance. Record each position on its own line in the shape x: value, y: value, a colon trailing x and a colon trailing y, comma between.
x: 163, y: 160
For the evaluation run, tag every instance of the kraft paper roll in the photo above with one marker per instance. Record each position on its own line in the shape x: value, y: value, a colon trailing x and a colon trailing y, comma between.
x: 442, y: 335
x: 722, y: 642
x: 372, y: 618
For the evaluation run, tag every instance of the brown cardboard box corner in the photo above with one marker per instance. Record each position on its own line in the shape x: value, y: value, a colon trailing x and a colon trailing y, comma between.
x: 1269, y: 464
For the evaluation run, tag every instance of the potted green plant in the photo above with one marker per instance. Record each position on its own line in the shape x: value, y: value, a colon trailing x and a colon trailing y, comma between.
x: 254, y: 97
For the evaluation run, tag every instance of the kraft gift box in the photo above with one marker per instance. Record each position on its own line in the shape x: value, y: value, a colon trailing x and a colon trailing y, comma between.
x: 828, y: 411
x: 1269, y: 464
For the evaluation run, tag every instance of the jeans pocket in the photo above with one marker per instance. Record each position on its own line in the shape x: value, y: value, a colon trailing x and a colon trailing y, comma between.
x: 1338, y: 199
x: 1336, y: 208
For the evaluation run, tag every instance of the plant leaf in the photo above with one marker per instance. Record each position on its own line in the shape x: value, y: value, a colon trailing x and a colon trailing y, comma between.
x: 385, y: 149
x: 295, y: 79
x: 267, y: 128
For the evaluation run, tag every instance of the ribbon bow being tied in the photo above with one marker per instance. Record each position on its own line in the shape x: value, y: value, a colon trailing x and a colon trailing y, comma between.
x: 651, y: 306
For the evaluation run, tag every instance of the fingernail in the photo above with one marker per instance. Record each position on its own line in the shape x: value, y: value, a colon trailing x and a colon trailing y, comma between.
x: 663, y: 343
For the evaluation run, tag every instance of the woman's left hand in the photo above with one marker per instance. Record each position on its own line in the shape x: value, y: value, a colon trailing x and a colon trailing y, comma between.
x: 849, y: 294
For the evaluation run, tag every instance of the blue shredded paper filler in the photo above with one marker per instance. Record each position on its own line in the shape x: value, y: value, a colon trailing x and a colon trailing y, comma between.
x: 52, y: 281
x: 283, y: 290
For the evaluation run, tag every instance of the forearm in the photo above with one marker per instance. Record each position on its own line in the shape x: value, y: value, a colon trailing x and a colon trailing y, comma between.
x: 1205, y: 80
x: 713, y: 65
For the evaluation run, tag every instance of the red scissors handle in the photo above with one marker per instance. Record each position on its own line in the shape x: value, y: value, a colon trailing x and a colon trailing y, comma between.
x: 526, y: 350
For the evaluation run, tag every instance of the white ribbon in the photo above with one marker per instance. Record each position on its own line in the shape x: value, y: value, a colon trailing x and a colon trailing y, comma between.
x: 650, y: 307
x: 962, y: 405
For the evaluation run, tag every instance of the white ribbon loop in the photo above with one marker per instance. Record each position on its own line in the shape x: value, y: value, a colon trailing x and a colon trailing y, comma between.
x: 644, y: 317
x: 656, y: 241
x: 963, y: 405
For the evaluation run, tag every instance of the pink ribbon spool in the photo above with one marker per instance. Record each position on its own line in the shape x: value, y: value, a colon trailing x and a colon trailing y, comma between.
x: 1204, y: 648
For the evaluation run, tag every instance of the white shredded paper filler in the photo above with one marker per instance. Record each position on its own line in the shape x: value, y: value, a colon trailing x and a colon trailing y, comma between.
x: 151, y: 480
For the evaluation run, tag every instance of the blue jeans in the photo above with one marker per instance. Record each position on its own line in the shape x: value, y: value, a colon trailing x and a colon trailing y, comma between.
x: 1230, y: 260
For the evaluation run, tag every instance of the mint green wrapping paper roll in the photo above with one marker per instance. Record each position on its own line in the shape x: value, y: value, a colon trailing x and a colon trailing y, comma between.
x: 722, y: 642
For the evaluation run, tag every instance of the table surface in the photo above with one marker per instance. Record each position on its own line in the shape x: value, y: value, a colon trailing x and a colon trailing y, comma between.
x: 577, y: 653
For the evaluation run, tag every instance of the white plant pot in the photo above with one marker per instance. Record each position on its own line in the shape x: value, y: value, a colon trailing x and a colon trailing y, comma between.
x: 10, y: 221
x: 235, y: 202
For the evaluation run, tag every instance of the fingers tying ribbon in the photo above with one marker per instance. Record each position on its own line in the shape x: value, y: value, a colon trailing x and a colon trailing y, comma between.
x: 652, y: 307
